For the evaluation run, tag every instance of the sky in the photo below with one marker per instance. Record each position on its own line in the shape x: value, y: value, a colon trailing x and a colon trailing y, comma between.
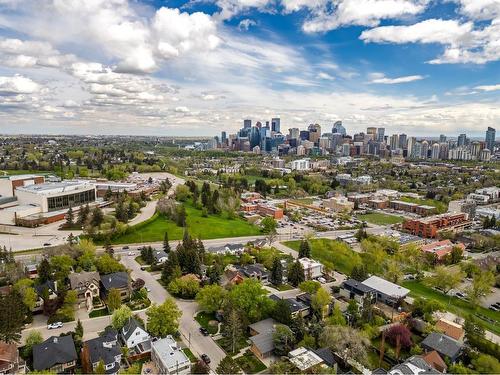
x: 197, y: 67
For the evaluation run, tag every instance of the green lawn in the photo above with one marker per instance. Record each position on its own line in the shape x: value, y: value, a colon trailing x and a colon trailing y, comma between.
x: 99, y: 312
x: 203, y: 318
x: 225, y: 344
x: 213, y: 226
x: 333, y: 254
x: 455, y: 305
x: 249, y: 363
x: 441, y: 207
x: 378, y: 218
x: 190, y: 355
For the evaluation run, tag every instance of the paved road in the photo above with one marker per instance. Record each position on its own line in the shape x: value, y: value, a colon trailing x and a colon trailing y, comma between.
x: 188, y: 327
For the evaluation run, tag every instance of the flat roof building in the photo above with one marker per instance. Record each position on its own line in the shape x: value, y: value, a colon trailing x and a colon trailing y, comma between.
x: 168, y: 357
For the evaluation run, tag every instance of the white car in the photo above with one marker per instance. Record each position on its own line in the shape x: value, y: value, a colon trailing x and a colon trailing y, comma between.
x: 322, y: 280
x: 55, y: 325
x: 131, y: 253
x: 148, y: 289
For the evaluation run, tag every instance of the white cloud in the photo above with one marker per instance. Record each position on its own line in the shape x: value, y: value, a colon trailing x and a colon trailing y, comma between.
x: 246, y: 24
x: 382, y: 79
x: 230, y: 8
x: 325, y: 76
x: 181, y: 109
x: 17, y: 85
x: 480, y: 9
x: 488, y: 87
x: 362, y: 13
x: 296, y: 5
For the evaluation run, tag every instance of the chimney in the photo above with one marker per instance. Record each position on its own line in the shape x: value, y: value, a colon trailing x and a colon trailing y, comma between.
x: 55, y: 340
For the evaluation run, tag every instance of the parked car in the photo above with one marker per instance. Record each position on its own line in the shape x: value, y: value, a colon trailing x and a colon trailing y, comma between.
x: 205, y: 358
x: 322, y: 280
x: 143, y: 268
x: 131, y: 253
x: 46, y: 244
x: 54, y: 325
x: 125, y: 247
x: 204, y: 331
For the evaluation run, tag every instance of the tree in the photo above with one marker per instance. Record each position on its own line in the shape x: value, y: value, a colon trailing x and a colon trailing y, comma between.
x: 232, y: 329
x: 100, y: 368
x: 282, y: 367
x: 284, y: 340
x: 97, y: 217
x: 214, y: 273
x: 268, y: 224
x: 444, y: 279
x: 251, y: 298
x: 481, y: 286
x: 166, y: 245
x: 182, y: 193
x: 171, y: 268
x: 200, y: 367
x: 61, y: 266
x: 304, y: 249
x: 277, y: 272
x: 309, y: 286
x: 296, y: 273
x: 163, y: 319
x: 228, y: 366
x: 211, y: 297
x: 348, y: 342
x: 79, y: 329
x: 25, y: 288
x: 393, y: 272
x: 121, y: 316
x: 337, y: 318
x: 44, y: 271
x: 359, y: 273
x: 282, y: 312
x: 399, y: 335
x: 320, y: 301
x: 70, y: 217
x: 12, y: 313
x: 147, y: 254
x: 106, y: 264
x: 33, y: 338
x: 113, y: 299
x: 486, y: 364
x: 186, y: 286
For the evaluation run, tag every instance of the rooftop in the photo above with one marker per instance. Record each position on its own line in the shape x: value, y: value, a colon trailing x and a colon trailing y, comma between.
x: 55, y: 187
x: 304, y: 358
x: 386, y: 287
x: 169, y: 353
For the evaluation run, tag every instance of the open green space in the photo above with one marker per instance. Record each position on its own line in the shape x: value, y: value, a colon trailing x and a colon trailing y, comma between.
x: 333, y: 254
x: 225, y: 344
x: 190, y: 355
x: 378, y: 218
x: 212, y: 226
x: 441, y: 207
x: 249, y: 363
x: 99, y: 312
x: 456, y: 305
x: 204, y: 318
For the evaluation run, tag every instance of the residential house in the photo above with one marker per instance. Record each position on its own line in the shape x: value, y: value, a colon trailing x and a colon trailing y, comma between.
x: 328, y: 357
x: 104, y: 348
x: 10, y: 362
x: 353, y: 289
x: 304, y: 359
x: 117, y: 280
x: 444, y: 345
x: 262, y: 337
x: 450, y: 329
x: 442, y: 248
x: 31, y: 270
x: 415, y: 365
x: 312, y: 269
x: 386, y: 292
x: 47, y: 294
x: 56, y: 354
x: 255, y: 271
x: 135, y: 337
x: 434, y: 360
x: 235, y: 249
x: 168, y: 357
x: 296, y: 306
x: 86, y: 284
x: 160, y: 256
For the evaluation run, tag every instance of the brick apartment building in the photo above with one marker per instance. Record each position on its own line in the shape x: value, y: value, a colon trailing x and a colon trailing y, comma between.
x: 429, y: 227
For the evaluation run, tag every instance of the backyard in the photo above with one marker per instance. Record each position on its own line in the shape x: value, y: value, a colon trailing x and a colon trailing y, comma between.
x: 333, y: 254
x: 378, y: 218
x: 456, y: 305
x: 249, y: 363
x: 212, y: 226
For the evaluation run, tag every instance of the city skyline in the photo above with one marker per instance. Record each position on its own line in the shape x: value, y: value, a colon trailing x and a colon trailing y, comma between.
x: 195, y: 67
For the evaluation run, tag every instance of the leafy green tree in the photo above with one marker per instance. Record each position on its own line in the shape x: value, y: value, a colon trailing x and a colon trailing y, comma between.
x: 304, y: 249
x: 472, y: 327
x: 211, y: 297
x: 284, y: 340
x: 200, y: 367
x: 282, y: 312
x: 228, y: 366
x: 163, y: 319
x: 34, y: 338
x: 309, y: 286
x: 337, y: 318
x: 97, y: 217
x: 12, y: 313
x: 268, y: 224
x: 62, y: 266
x: 106, y: 264
x: 121, y: 316
x: 166, y: 244
x: 100, y: 368
x: 393, y: 271
x: 277, y: 272
x: 320, y: 302
x: 25, y: 288
x: 113, y: 299
x: 481, y: 287
x: 79, y: 329
x: 359, y: 272
x: 233, y: 327
x: 296, y: 273
x: 347, y: 341
x: 486, y: 364
x: 251, y: 298
x: 186, y: 286
x: 444, y: 279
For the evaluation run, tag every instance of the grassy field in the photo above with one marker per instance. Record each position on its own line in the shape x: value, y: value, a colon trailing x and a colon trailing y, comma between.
x: 378, y: 218
x: 250, y: 364
x: 209, y: 227
x: 204, y: 318
x: 455, y: 305
x: 440, y: 206
x: 333, y: 254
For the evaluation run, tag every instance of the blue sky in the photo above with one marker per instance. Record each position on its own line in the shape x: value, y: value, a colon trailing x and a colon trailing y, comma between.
x: 177, y: 67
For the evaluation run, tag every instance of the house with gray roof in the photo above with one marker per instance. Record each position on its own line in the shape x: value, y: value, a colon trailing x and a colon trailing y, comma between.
x: 160, y: 256
x: 415, y: 365
x: 262, y: 337
x: 444, y: 345
x: 134, y: 336
x: 354, y: 289
x: 86, y: 285
x: 117, y: 280
x: 104, y: 348
x: 56, y: 354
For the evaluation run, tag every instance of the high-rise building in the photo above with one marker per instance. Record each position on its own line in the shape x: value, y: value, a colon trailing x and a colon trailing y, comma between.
x: 443, y: 151
x: 372, y: 132
x: 402, y: 141
x: 247, y: 124
x: 314, y: 133
x: 276, y: 125
x: 462, y: 140
x: 442, y: 138
x: 435, y: 151
x: 490, y: 138
x: 394, y: 141
x: 411, y: 145
x: 425, y: 150
x: 475, y: 149
x: 338, y: 128
x: 380, y: 134
x: 294, y: 133
x: 223, y: 137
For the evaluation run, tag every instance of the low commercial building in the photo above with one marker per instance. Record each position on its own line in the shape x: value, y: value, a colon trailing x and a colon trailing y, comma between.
x: 389, y: 293
x: 338, y: 204
x: 422, y: 210
x: 168, y: 357
x: 442, y: 248
x: 312, y: 268
x: 8, y: 184
x: 268, y: 210
x: 466, y: 206
x: 429, y: 227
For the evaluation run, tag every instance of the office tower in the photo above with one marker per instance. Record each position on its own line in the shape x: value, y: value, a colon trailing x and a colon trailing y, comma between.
x: 417, y: 151
x: 490, y: 138
x: 254, y: 136
x: 267, y: 124
x: 294, y: 133
x: 462, y: 140
x: 475, y: 149
x: 346, y: 149
x: 223, y: 138
x: 410, y: 145
x: 338, y: 128
x: 247, y: 124
x: 443, y: 150
x: 402, y: 141
x: 359, y: 137
x: 394, y: 141
x: 372, y: 132
x: 314, y: 133
x: 442, y: 138
x: 435, y: 151
x: 275, y: 125
x: 304, y: 135
x: 424, y: 153
x: 380, y: 134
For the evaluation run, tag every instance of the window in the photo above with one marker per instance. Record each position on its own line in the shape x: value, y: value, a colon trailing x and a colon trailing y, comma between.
x: 76, y: 199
